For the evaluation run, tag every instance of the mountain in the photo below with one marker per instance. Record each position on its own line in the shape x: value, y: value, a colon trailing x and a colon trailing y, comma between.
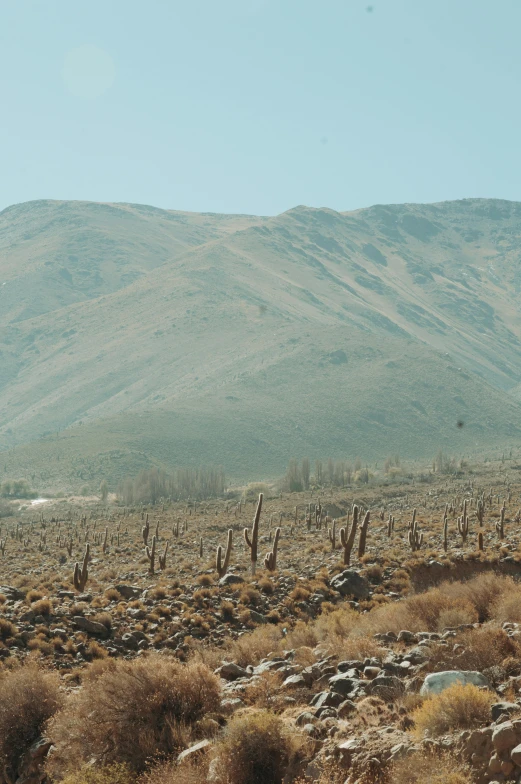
x: 132, y: 336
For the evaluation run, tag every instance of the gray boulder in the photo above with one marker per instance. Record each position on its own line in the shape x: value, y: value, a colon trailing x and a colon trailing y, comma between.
x: 350, y: 583
x: 437, y: 682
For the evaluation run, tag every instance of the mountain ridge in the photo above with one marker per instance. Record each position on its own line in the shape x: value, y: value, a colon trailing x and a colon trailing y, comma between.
x: 222, y: 311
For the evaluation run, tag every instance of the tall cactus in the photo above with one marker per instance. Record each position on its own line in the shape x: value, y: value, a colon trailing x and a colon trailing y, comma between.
x: 162, y: 558
x: 445, y: 533
x: 151, y: 555
x: 220, y: 565
x: 145, y: 531
x: 500, y: 524
x: 81, y: 575
x: 363, y: 536
x: 390, y: 526
x: 480, y: 540
x: 463, y: 524
x: 414, y: 537
x: 331, y: 532
x: 270, y: 562
x: 347, y: 540
x: 254, y: 540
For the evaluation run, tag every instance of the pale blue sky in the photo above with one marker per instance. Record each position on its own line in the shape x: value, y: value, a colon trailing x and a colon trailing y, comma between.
x: 259, y: 105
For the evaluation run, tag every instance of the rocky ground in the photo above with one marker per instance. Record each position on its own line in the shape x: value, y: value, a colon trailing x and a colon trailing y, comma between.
x: 346, y: 654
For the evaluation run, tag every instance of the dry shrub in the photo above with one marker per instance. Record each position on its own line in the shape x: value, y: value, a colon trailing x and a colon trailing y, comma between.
x: 255, y: 750
x: 485, y: 647
x: 172, y: 773
x: 421, y: 768
x: 251, y: 648
x: 109, y: 774
x: 7, y: 629
x: 28, y: 698
x: 130, y: 714
x: 458, y: 707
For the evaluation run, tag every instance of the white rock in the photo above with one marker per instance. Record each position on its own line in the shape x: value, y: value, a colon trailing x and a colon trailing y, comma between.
x: 437, y: 682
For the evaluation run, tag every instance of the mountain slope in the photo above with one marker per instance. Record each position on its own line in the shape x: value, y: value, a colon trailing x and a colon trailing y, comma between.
x: 313, y: 332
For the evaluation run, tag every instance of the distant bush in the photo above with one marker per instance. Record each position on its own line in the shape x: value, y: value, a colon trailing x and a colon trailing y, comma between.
x: 6, y: 510
x: 153, y: 484
x: 28, y: 698
x: 132, y: 713
x: 17, y: 488
x: 251, y: 492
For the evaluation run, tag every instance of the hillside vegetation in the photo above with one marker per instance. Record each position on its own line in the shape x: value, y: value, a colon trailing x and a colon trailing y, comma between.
x: 132, y: 336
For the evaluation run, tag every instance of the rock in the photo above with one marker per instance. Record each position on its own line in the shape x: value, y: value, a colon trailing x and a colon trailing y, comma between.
x: 340, y: 684
x: 231, y: 579
x: 437, y: 682
x: 387, y: 687
x: 304, y: 718
x: 350, y: 583
x: 257, y: 617
x: 294, y: 682
x: 128, y: 591
x: 229, y: 706
x: 30, y: 770
x: 345, y: 709
x: 505, y: 737
x: 515, y: 755
x: 408, y: 637
x: 230, y: 671
x: 371, y: 672
x: 130, y: 642
x: 193, y: 752
x: 12, y: 594
x: 503, y: 708
x: 326, y: 699
x: 91, y: 627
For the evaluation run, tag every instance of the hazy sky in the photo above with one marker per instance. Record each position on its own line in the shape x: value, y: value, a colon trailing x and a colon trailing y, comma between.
x: 259, y: 105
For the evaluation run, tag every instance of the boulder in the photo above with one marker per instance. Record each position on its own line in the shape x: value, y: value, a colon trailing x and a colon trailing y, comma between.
x: 350, y: 583
x: 387, y: 687
x: 128, y: 591
x: 231, y: 579
x: 91, y: 627
x: 503, y: 709
x: 437, y: 682
x: 230, y: 671
x: 340, y: 684
x: 505, y: 737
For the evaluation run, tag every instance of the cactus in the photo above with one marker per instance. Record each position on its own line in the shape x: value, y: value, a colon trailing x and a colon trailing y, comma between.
x: 253, y: 541
x: 201, y: 550
x: 270, y: 561
x: 480, y: 511
x: 105, y: 539
x: 69, y: 546
x: 157, y: 530
x: 500, y: 524
x: 414, y: 537
x: 331, y: 532
x: 347, y: 539
x: 162, y: 558
x: 390, y: 526
x: 145, y: 531
x: 445, y: 533
x: 2, y: 546
x: 463, y: 524
x: 222, y: 567
x: 480, y: 540
x: 81, y: 575
x: 363, y: 536
x: 151, y: 555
